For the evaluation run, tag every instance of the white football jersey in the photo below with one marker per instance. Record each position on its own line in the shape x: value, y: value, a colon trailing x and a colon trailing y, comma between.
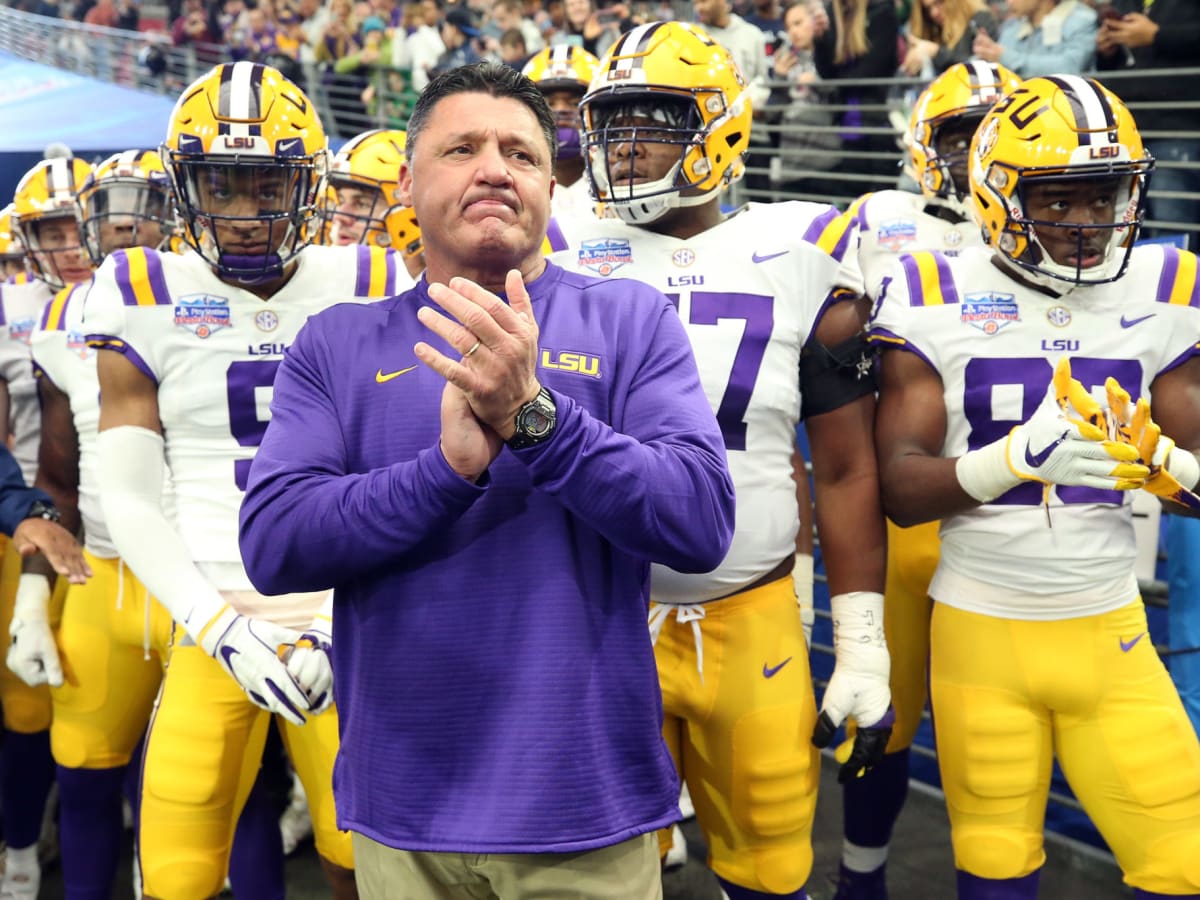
x: 574, y: 201
x: 750, y: 292
x: 891, y: 223
x: 61, y: 353
x: 21, y: 307
x: 995, y: 342
x: 213, y: 349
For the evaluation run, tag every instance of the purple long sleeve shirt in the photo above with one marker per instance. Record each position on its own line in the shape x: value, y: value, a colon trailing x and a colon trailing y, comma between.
x: 493, y: 670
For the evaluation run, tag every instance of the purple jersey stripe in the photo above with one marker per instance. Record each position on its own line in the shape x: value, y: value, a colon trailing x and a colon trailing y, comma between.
x: 817, y: 226
x: 1166, y: 281
x: 390, y: 273
x: 123, y: 283
x: 554, y: 234
x: 158, y: 284
x: 946, y: 280
x: 108, y: 342
x: 362, y: 283
x: 912, y: 276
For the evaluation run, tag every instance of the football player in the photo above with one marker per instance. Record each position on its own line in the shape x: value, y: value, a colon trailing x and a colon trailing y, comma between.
x: 991, y: 423
x: 12, y: 253
x: 365, y: 210
x: 666, y: 124
x: 189, y: 347
x: 943, y: 121
x: 45, y: 219
x: 563, y: 73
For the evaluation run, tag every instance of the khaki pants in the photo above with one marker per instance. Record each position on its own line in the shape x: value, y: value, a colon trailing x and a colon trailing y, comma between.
x: 625, y: 871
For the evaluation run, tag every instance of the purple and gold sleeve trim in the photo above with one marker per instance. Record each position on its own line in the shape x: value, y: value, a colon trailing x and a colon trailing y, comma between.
x: 928, y: 278
x: 139, y: 278
x: 108, y: 342
x: 1177, y: 284
x: 889, y: 340
x: 375, y: 274
x: 830, y: 232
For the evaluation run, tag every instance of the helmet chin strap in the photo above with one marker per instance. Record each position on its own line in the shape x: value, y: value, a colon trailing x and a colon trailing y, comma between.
x: 252, y: 270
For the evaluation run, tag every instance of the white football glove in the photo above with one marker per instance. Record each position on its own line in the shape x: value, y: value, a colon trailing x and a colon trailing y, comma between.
x: 859, y: 684
x: 249, y: 650
x: 1063, y: 442
x: 310, y: 662
x: 33, y: 655
x: 802, y: 581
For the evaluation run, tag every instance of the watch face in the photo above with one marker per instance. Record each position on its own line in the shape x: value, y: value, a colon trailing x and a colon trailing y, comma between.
x: 535, y: 423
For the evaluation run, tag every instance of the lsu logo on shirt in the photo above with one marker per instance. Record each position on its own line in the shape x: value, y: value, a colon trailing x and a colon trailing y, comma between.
x: 896, y: 234
x: 202, y: 314
x: 566, y: 361
x: 21, y: 329
x: 605, y: 255
x: 989, y: 311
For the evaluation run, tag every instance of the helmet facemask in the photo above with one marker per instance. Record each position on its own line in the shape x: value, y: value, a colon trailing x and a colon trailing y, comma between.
x: 624, y: 132
x: 121, y: 212
x: 1094, y: 252
x: 366, y: 207
x: 248, y: 217
x: 947, y: 174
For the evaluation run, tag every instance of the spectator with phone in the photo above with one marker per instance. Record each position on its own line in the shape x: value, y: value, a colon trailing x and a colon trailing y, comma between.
x: 598, y: 29
x: 941, y: 32
x: 1160, y: 35
x: 1043, y: 37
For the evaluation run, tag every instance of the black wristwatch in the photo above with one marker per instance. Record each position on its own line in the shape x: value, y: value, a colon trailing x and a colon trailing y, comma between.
x: 535, y: 421
x: 40, y: 509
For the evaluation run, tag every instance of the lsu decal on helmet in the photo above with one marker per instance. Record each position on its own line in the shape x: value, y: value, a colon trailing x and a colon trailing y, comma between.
x: 944, y: 118
x: 46, y: 219
x: 126, y: 203
x: 563, y: 72
x: 366, y: 210
x: 1073, y: 144
x: 665, y: 91
x: 12, y: 251
x: 247, y: 158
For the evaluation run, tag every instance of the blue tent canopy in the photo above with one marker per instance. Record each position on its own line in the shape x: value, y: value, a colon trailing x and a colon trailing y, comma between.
x: 41, y: 105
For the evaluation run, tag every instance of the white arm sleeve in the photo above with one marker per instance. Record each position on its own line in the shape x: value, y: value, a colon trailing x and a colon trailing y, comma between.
x: 132, y: 470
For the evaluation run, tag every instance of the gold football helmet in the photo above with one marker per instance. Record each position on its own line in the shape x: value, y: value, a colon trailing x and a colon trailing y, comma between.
x: 567, y: 68
x: 12, y: 251
x: 665, y: 83
x: 962, y: 94
x: 1064, y: 130
x: 126, y: 203
x: 247, y: 158
x: 47, y: 219
x: 366, y: 174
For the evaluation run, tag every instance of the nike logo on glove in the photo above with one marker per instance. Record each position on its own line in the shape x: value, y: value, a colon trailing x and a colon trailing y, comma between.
x: 1035, y: 460
x: 1129, y: 323
x: 760, y: 259
x: 381, y: 378
x: 1126, y: 646
x: 772, y: 671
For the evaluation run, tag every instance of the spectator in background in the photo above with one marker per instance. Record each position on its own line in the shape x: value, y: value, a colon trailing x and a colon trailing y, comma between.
x: 860, y: 42
x: 339, y: 38
x: 1043, y: 37
x: 802, y: 142
x: 458, y: 34
x: 358, y: 76
x: 192, y: 26
x: 103, y: 14
x: 128, y: 15
x: 420, y: 51
x: 941, y: 32
x: 1161, y: 35
x: 512, y: 50
x: 596, y: 29
x: 508, y: 14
